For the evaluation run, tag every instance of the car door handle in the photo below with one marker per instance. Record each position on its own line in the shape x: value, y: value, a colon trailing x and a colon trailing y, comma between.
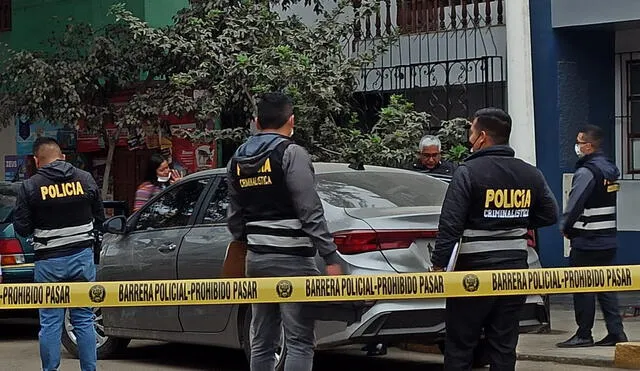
x: 167, y: 247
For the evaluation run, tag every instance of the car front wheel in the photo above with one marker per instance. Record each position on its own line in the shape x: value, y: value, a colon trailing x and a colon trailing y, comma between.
x: 106, y: 346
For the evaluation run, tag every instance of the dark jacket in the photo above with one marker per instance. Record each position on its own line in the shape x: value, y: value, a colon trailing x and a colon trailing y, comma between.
x: 443, y: 168
x: 589, y: 191
x: 297, y: 196
x: 493, y: 228
x: 60, y: 206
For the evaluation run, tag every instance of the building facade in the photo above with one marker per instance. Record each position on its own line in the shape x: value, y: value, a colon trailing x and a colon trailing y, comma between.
x: 26, y: 25
x: 586, y: 70
x: 449, y: 58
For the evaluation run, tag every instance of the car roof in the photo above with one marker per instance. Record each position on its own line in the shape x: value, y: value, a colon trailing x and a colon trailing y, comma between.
x: 9, y: 188
x: 320, y: 168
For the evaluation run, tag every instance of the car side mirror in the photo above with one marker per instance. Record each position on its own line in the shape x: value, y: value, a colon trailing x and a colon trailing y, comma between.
x: 116, y: 225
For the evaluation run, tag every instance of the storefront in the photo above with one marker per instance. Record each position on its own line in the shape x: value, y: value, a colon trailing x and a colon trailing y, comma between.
x: 87, y: 150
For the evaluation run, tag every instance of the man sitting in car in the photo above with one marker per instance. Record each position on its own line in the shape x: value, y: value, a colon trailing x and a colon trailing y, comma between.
x: 430, y: 157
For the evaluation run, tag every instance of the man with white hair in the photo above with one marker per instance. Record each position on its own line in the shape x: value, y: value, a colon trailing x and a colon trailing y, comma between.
x: 430, y: 157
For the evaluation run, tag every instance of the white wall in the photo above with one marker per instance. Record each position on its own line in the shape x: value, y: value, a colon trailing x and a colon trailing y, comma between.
x: 7, y: 145
x: 427, y: 47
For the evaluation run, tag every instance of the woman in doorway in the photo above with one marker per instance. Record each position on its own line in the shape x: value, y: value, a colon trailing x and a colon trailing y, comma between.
x: 159, y: 175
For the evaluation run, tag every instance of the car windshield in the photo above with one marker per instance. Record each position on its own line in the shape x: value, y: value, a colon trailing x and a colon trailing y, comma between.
x: 7, y: 201
x: 378, y: 189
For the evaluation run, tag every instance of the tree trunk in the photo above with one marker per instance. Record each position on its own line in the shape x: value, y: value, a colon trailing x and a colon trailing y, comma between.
x: 112, y: 141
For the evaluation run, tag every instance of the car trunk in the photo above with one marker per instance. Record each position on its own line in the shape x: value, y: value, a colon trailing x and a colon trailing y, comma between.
x: 405, y: 235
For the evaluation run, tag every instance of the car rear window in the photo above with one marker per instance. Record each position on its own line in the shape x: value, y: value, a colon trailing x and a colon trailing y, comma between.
x: 379, y: 189
x: 7, y: 201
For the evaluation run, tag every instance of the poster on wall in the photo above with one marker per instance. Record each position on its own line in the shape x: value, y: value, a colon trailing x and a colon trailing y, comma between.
x: 28, y: 131
x: 18, y: 168
x: 193, y: 157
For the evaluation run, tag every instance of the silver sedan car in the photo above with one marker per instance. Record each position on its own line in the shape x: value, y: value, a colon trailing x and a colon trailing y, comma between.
x: 384, y: 221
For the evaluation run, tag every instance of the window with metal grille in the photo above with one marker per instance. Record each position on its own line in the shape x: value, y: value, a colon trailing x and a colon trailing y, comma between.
x: 5, y: 15
x: 634, y: 114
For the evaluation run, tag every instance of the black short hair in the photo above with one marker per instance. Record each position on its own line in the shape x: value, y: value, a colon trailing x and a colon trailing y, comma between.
x: 496, y: 122
x: 44, y: 141
x: 594, y: 134
x: 274, y: 109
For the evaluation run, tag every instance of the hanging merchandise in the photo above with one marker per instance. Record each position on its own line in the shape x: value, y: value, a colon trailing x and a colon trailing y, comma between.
x: 151, y: 137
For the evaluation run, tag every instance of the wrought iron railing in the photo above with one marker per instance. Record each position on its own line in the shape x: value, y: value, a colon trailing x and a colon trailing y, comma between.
x: 424, y: 16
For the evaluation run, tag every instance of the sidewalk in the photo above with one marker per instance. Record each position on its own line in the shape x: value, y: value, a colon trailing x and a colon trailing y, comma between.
x: 542, y: 347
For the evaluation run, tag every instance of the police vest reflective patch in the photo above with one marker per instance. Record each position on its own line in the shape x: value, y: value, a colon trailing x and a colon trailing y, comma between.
x: 61, y: 190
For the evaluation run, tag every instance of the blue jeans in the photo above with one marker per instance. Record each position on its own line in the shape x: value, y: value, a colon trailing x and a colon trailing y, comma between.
x: 78, y: 267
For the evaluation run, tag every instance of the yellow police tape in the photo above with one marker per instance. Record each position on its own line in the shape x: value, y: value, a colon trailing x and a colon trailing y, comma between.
x: 320, y: 288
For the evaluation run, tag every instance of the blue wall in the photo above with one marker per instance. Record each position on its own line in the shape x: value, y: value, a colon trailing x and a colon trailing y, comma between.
x: 574, y: 84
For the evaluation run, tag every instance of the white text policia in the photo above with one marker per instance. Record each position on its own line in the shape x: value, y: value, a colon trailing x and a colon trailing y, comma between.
x: 548, y: 280
x: 507, y: 203
x: 256, y: 181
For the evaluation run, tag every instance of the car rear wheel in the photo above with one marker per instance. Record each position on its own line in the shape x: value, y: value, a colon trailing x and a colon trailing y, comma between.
x: 281, y: 349
x: 106, y: 346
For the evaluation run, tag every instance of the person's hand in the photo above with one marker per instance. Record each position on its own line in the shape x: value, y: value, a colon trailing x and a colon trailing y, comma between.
x: 334, y: 270
x: 437, y: 269
x: 175, y: 176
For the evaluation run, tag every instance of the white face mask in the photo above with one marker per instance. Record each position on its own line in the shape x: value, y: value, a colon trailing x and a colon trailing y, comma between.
x: 578, y: 151
x: 163, y: 179
x: 291, y: 132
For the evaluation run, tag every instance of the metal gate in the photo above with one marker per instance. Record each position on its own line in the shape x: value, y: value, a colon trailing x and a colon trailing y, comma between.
x: 448, y: 58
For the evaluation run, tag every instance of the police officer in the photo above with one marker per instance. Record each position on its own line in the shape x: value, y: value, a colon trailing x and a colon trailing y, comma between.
x: 491, y: 201
x: 61, y: 206
x: 589, y: 221
x: 275, y: 208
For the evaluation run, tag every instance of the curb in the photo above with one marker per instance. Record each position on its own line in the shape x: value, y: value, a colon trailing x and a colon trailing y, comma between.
x: 594, y: 362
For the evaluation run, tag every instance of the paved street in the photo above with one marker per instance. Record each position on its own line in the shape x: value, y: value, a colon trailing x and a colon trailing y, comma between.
x: 19, y: 351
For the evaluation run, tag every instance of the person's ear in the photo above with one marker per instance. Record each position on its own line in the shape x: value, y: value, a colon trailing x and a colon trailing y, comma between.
x: 258, y: 126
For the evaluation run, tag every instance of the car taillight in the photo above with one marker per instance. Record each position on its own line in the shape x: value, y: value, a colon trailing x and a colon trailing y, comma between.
x: 11, y: 252
x: 356, y: 242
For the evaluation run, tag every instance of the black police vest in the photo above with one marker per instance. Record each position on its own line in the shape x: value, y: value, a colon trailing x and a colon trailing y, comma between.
x: 599, y: 215
x: 272, y: 224
x: 62, y: 213
x: 503, y: 190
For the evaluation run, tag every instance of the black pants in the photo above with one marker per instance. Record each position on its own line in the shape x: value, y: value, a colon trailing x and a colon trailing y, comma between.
x: 585, y: 304
x: 466, y: 317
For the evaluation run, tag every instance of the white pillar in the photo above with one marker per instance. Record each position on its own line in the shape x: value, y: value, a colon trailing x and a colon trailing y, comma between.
x: 520, y: 79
